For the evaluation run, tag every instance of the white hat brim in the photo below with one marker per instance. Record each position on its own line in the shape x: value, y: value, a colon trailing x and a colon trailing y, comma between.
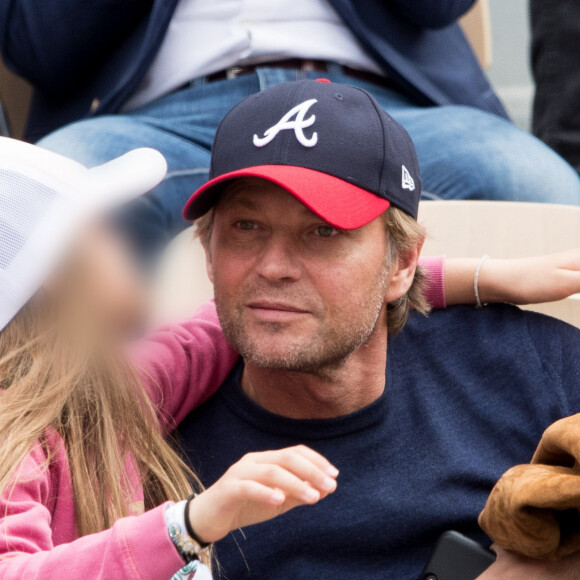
x: 125, y: 178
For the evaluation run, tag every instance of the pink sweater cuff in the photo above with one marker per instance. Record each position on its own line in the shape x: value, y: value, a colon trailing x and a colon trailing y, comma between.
x: 434, y: 267
x: 149, y: 546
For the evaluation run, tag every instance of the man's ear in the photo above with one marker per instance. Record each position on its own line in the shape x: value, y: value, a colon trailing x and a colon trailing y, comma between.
x: 403, y: 273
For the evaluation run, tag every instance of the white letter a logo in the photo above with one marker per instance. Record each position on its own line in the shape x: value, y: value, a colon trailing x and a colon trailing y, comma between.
x: 298, y: 124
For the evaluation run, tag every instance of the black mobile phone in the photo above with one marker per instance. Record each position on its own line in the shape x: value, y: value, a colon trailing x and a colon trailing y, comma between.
x: 457, y: 557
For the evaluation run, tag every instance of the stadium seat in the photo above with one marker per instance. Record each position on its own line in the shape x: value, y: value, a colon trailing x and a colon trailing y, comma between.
x: 181, y: 283
x: 455, y: 228
x: 476, y: 26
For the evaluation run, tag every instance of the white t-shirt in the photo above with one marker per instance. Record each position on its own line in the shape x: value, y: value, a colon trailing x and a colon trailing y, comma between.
x: 207, y: 36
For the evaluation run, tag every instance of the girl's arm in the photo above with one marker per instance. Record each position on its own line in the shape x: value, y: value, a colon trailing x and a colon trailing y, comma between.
x: 259, y: 487
x: 182, y: 365
x: 531, y: 280
x: 517, y: 281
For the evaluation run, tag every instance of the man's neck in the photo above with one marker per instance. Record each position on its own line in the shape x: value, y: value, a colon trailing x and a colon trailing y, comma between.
x: 333, y: 392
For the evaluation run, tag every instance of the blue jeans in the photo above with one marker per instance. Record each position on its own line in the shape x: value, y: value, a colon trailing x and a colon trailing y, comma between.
x: 464, y: 153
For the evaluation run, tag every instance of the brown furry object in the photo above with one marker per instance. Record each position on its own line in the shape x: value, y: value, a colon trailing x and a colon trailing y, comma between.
x: 534, y: 509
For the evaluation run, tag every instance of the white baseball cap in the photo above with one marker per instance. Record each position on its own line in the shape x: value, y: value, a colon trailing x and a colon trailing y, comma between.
x: 45, y: 199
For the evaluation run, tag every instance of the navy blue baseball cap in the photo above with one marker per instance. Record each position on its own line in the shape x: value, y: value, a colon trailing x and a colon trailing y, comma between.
x: 329, y: 145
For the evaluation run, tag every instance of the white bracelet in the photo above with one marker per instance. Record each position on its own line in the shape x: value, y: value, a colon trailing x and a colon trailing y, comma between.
x: 478, y: 302
x: 189, y: 548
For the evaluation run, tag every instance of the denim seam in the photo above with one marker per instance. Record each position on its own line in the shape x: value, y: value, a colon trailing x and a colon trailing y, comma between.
x: 185, y: 172
x: 261, y: 79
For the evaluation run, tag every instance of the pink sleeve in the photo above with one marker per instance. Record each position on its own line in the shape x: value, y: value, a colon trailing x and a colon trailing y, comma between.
x: 182, y: 365
x: 436, y: 280
x: 135, y: 547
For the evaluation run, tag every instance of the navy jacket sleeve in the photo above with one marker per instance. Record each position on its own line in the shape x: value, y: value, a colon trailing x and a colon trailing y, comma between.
x: 431, y: 14
x: 557, y: 346
x: 55, y: 43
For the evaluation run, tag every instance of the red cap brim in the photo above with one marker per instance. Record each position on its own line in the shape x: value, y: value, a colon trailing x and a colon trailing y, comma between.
x: 339, y: 203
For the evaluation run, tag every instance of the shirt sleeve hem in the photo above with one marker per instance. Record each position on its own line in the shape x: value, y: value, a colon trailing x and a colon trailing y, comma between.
x: 435, y: 270
x: 149, y: 546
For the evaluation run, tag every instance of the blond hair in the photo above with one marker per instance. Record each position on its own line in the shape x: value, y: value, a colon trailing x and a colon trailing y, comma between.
x: 403, y: 235
x: 56, y: 379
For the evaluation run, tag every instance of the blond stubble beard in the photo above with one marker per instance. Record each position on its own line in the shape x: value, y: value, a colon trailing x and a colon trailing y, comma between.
x: 329, y: 349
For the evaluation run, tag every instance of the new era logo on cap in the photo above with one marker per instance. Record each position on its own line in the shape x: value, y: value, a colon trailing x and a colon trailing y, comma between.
x: 408, y: 182
x: 331, y: 146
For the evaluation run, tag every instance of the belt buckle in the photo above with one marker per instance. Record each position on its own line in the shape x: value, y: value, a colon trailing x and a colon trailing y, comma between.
x: 233, y: 72
x: 309, y: 66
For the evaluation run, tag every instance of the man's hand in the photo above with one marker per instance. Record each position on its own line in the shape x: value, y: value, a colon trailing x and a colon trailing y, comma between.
x: 509, y: 566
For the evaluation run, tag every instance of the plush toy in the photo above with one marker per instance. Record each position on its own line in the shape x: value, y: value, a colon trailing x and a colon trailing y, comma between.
x: 534, y: 509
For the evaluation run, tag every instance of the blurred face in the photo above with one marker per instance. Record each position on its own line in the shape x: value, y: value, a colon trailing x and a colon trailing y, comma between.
x: 292, y: 291
x: 103, y: 282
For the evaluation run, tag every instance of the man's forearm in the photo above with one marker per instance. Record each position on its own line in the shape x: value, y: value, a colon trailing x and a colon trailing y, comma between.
x: 431, y: 14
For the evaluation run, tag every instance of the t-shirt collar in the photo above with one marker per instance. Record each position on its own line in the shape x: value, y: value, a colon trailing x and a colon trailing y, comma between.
x: 250, y: 412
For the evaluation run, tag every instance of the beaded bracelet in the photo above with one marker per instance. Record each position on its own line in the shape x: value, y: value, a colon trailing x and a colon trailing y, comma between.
x: 189, y: 548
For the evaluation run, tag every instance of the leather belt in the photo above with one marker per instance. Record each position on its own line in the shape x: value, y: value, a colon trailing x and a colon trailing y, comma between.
x: 320, y: 66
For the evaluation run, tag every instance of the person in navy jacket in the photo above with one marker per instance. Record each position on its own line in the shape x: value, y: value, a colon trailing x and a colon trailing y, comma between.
x: 113, y: 75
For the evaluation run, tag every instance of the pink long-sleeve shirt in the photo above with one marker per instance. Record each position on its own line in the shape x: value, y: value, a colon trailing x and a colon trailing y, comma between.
x: 182, y: 365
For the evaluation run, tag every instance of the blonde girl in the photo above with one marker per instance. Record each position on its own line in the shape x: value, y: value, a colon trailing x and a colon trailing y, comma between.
x: 89, y: 486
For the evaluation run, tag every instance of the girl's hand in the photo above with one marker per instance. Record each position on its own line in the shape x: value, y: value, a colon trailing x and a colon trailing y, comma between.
x: 531, y: 280
x: 260, y: 487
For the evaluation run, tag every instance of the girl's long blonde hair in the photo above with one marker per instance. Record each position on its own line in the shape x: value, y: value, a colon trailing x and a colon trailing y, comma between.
x: 58, y: 375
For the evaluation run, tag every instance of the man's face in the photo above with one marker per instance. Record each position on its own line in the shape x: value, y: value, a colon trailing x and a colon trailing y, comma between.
x: 292, y: 292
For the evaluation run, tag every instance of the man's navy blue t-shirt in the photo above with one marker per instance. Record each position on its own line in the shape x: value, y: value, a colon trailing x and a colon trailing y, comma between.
x: 468, y: 395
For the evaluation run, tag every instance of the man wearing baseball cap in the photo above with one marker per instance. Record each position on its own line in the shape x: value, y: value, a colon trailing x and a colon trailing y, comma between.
x: 309, y: 226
